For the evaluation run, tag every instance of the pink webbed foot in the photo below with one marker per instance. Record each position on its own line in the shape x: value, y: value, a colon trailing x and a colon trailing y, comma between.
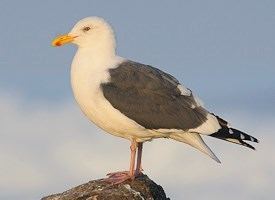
x: 120, y: 177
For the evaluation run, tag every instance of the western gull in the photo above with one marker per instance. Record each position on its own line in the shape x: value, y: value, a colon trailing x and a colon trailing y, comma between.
x: 135, y: 101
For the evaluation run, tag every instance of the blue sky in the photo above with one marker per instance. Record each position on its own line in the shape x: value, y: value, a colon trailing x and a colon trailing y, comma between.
x: 222, y: 50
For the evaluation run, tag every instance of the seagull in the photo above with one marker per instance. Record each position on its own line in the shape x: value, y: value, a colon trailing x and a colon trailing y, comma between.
x: 136, y: 101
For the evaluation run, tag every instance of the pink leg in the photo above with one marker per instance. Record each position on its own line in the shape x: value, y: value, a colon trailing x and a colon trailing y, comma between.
x: 139, y: 156
x: 133, y: 148
x: 119, y: 177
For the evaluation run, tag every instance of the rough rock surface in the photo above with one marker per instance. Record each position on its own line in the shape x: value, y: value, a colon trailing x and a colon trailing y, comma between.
x: 142, y: 188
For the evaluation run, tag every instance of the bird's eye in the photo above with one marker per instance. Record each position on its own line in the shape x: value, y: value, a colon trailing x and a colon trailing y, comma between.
x: 87, y: 28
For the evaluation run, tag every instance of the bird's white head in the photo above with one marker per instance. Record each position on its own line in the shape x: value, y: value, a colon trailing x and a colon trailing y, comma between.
x: 92, y: 33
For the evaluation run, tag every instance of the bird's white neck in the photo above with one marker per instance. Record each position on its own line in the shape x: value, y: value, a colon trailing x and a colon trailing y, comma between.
x: 89, y: 63
x: 96, y: 54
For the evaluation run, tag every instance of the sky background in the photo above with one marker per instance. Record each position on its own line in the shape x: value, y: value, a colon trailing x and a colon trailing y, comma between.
x: 222, y: 50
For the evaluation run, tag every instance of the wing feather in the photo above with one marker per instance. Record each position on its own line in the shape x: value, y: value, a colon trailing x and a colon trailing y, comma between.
x: 152, y: 98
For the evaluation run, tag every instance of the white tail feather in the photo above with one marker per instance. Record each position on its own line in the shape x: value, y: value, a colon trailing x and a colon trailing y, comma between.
x: 195, y: 140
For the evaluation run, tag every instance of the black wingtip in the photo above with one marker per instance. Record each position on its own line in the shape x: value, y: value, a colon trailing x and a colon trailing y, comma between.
x: 243, y: 136
x: 233, y: 135
x: 247, y: 145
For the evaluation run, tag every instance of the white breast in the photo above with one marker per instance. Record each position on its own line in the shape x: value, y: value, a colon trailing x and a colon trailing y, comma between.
x: 86, y: 77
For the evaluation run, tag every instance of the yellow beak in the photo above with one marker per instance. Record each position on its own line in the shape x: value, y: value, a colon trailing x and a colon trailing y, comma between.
x: 62, y: 39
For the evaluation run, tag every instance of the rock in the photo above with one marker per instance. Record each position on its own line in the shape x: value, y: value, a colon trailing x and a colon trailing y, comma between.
x: 142, y: 188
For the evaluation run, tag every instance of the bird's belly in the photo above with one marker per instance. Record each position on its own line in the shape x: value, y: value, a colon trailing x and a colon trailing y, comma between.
x: 94, y: 105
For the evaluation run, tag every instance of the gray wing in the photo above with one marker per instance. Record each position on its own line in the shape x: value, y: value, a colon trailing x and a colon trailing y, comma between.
x: 151, y: 98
